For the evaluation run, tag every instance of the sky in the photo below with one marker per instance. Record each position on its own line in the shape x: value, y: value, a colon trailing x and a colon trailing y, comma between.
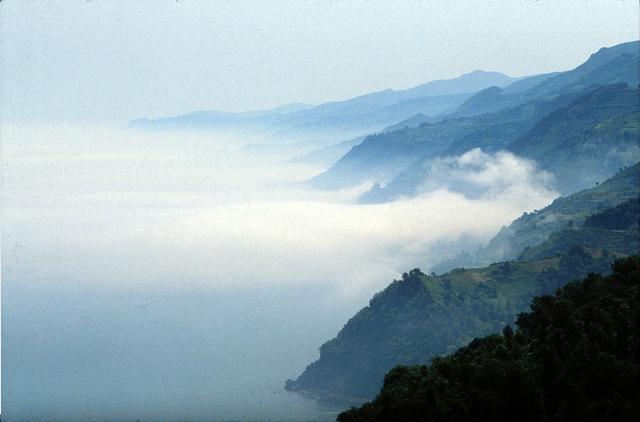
x: 111, y: 61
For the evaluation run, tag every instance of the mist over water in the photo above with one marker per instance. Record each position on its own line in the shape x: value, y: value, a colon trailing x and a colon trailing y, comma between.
x: 180, y: 276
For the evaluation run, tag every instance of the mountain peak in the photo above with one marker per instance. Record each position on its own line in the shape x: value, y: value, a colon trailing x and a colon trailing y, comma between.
x: 480, y: 72
x: 474, y: 81
x: 607, y: 53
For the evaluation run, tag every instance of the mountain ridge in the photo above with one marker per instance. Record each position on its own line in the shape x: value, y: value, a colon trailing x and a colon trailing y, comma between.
x: 353, y: 116
x: 381, y: 159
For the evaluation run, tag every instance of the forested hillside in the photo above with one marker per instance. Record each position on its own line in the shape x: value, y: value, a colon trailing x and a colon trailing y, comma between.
x: 535, y: 227
x: 421, y: 316
x: 574, y: 356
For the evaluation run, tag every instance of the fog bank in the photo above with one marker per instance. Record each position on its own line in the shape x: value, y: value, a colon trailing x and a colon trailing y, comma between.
x: 154, y: 274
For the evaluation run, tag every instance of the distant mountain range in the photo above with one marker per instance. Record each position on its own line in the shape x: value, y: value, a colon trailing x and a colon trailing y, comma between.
x: 341, y: 119
x: 421, y: 316
x: 599, y: 97
x: 607, y: 66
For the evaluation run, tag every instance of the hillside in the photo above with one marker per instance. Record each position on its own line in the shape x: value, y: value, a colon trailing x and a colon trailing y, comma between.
x: 608, y: 65
x: 421, y: 315
x: 330, y: 154
x: 574, y: 356
x: 615, y: 229
x: 535, y: 227
x: 596, y: 133
x: 383, y: 156
x: 580, y: 142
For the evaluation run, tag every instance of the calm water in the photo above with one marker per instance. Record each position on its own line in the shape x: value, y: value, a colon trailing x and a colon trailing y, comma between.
x: 93, y: 354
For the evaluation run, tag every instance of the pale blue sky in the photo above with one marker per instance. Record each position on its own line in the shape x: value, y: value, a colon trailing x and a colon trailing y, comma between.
x: 115, y: 60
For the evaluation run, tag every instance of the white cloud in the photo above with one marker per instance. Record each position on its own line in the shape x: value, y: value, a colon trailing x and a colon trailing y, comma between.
x: 478, y: 174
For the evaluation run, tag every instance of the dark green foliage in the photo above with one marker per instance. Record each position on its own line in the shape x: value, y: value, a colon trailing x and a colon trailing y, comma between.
x: 574, y: 357
x: 614, y: 229
x: 414, y: 314
x: 422, y: 316
x: 621, y: 217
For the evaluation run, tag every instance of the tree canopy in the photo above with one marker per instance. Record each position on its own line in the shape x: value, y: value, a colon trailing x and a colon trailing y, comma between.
x: 574, y: 356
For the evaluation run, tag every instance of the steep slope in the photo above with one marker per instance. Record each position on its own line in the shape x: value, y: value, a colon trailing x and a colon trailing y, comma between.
x: 327, y: 155
x: 412, y: 122
x: 421, y: 316
x: 535, y: 227
x: 574, y: 356
x: 597, y: 134
x: 381, y: 157
x: 608, y: 65
x: 332, y: 153
x: 581, y: 141
x: 614, y: 228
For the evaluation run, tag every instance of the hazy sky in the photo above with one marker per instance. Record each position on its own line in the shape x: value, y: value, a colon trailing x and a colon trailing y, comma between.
x: 116, y: 60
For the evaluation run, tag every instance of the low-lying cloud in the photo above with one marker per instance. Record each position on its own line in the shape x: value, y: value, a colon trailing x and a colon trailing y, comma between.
x: 174, y: 276
x: 477, y: 174
x: 227, y: 220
